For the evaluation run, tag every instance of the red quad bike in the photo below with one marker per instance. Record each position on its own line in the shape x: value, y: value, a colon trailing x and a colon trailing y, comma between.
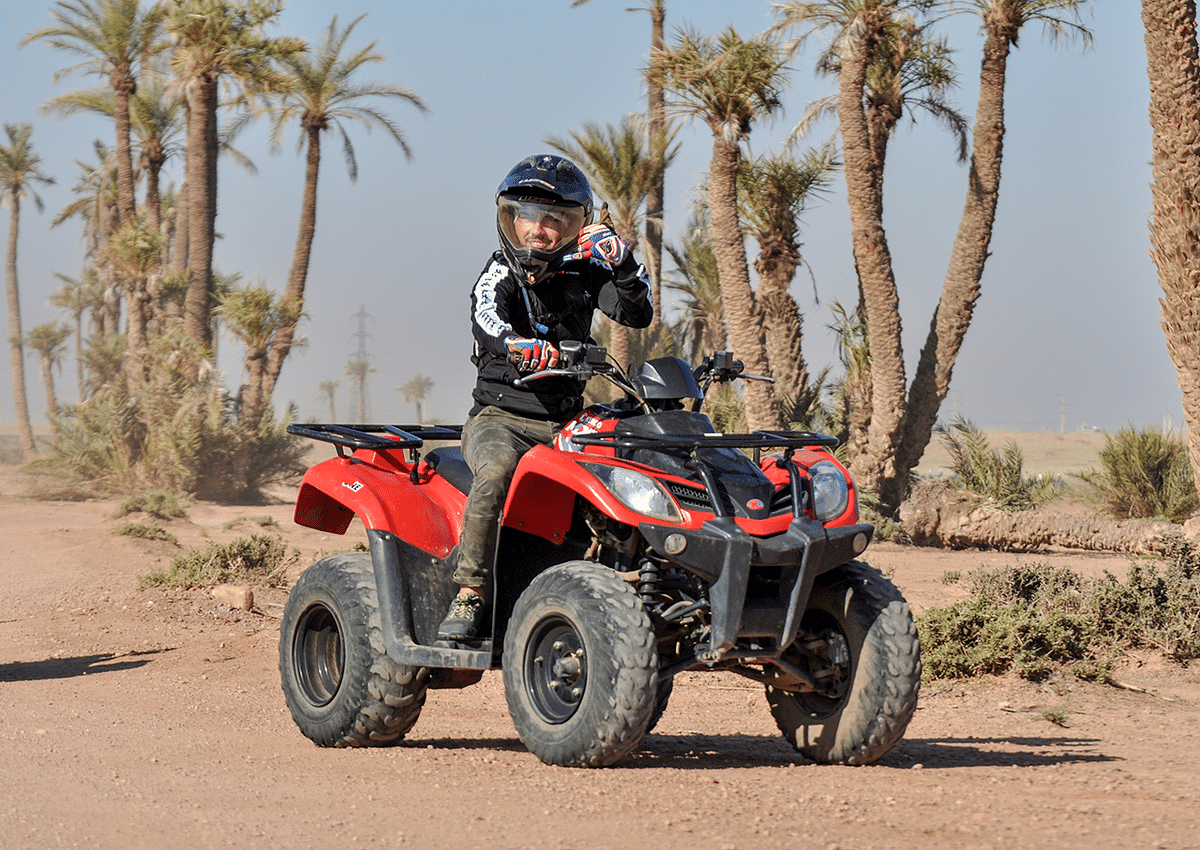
x: 640, y: 545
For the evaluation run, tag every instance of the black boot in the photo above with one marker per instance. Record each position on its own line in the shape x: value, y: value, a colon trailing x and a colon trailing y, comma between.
x: 466, y: 619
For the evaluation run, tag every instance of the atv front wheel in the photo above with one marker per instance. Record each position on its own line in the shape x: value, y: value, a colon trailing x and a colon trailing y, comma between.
x: 340, y: 685
x: 861, y: 644
x: 580, y: 666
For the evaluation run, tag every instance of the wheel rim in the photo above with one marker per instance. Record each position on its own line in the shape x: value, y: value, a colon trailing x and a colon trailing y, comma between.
x: 318, y: 656
x: 827, y: 656
x: 555, y: 670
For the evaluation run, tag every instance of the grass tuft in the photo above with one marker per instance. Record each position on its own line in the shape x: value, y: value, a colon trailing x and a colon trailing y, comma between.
x: 1144, y: 474
x: 257, y: 559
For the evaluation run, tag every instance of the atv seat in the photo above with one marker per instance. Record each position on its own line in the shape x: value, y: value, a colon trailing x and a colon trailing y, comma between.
x: 449, y: 463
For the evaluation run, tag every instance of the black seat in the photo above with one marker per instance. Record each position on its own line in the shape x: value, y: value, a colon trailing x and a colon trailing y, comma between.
x: 449, y: 463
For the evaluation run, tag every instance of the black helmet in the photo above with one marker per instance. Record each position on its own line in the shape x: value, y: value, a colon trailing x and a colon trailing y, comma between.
x: 540, y: 207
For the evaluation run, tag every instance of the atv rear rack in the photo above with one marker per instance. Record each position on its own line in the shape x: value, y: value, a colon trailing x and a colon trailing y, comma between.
x: 372, y: 436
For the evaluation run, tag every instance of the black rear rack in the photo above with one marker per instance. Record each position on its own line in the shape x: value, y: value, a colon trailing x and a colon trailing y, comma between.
x: 376, y: 436
x: 693, y: 442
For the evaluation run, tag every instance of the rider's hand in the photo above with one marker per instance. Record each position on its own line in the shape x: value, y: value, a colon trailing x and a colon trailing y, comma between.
x: 598, y: 242
x: 531, y: 355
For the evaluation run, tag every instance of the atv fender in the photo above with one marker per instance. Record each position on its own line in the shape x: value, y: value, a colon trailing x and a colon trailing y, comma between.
x: 426, y: 514
x: 541, y: 499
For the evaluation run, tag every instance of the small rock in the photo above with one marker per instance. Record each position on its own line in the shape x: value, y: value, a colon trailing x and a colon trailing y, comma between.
x: 234, y: 596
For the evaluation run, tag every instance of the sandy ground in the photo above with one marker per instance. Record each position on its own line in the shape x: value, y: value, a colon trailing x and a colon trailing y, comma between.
x: 138, y: 719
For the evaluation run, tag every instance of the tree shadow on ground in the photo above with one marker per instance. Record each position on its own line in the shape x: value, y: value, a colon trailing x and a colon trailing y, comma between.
x: 69, y: 668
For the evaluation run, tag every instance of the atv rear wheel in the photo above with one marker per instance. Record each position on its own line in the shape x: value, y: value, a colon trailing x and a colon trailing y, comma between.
x: 580, y: 666
x: 341, y: 687
x: 863, y: 643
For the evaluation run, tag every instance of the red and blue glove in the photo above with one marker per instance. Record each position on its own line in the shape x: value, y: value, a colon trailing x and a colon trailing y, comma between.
x: 531, y: 355
x: 598, y: 242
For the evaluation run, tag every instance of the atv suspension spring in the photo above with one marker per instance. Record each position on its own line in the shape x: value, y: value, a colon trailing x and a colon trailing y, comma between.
x: 648, y: 585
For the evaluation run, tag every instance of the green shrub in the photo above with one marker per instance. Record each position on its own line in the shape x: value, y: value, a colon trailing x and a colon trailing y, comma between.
x: 146, y: 532
x: 998, y: 476
x: 1033, y: 618
x: 179, y: 434
x: 158, y: 503
x: 248, y: 560
x: 1144, y: 474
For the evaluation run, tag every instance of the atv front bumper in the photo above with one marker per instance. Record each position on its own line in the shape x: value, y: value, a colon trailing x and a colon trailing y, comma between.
x: 758, y: 586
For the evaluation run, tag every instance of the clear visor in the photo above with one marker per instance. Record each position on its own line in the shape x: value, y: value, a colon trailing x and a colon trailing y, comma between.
x: 537, y: 225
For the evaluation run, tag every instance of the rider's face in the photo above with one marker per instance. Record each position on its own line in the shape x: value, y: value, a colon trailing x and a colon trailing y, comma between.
x: 539, y: 231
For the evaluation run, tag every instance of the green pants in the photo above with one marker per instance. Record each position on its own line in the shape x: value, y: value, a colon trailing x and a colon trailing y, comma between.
x: 493, y: 441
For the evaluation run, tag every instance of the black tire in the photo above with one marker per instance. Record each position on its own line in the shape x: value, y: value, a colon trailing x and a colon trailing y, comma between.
x: 340, y: 685
x: 875, y: 694
x: 666, y: 685
x: 580, y: 666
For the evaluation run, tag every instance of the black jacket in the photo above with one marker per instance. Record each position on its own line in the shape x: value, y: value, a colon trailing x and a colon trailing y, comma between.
x: 559, y: 308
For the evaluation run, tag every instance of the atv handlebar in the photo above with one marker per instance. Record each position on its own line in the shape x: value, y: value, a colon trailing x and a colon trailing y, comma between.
x: 692, y: 442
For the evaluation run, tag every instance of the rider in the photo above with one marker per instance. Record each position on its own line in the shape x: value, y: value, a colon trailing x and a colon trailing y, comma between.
x: 554, y: 269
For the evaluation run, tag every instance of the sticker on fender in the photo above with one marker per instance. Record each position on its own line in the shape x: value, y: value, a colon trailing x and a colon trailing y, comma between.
x: 356, y: 486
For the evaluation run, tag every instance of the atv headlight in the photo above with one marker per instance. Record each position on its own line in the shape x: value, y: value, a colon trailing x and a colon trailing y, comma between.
x: 830, y: 491
x: 638, y: 492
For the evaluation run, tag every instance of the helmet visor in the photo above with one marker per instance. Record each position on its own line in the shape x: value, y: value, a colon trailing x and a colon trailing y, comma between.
x: 539, y: 225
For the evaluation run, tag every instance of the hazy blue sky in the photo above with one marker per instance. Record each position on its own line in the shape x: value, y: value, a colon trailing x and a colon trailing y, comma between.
x: 1065, y: 334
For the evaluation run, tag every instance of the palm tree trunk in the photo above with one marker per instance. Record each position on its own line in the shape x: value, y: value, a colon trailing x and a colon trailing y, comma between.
x: 202, y: 209
x: 783, y: 322
x: 1173, y: 62
x: 876, y: 464
x: 298, y: 276
x: 15, y: 347
x: 961, y: 288
x: 656, y: 100
x: 47, y: 370
x: 741, y: 313
x: 123, y: 86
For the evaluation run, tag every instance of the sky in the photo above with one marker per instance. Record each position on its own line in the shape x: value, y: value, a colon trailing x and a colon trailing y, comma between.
x: 1066, y: 335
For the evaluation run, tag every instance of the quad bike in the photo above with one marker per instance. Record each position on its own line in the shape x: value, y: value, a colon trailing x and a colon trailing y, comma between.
x: 640, y: 545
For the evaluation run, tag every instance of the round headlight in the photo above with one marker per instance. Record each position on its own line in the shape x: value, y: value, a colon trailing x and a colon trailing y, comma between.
x: 831, y: 493
x: 638, y: 492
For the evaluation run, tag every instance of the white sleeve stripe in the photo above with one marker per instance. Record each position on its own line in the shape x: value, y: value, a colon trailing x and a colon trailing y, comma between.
x: 485, y: 303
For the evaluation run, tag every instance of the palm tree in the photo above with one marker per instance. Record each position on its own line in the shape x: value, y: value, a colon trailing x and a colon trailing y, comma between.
x: 729, y: 83
x: 1003, y: 21
x: 911, y: 72
x: 862, y: 26
x: 95, y: 203
x: 75, y: 297
x: 415, y: 391
x: 622, y: 171
x: 1173, y: 62
x: 132, y: 252
x: 358, y: 369
x: 117, y: 38
x: 20, y: 170
x: 254, y: 314
x: 774, y: 191
x: 901, y: 419
x: 325, y: 390
x: 658, y: 133
x: 702, y: 328
x: 215, y: 40
x: 47, y: 340
x: 319, y: 92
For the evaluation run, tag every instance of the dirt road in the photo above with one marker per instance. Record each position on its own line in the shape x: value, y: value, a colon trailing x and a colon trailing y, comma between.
x: 138, y: 719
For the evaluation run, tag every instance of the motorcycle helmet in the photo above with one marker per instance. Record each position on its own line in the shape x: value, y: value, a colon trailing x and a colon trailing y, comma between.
x: 540, y: 207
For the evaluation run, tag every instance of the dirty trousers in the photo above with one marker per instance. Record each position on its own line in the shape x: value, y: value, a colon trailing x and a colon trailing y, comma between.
x: 493, y: 441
